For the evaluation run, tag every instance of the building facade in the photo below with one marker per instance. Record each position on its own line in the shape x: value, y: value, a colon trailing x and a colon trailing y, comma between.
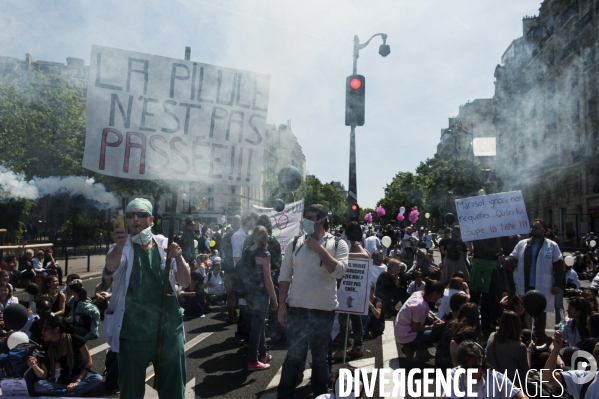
x: 546, y: 117
x: 474, y: 120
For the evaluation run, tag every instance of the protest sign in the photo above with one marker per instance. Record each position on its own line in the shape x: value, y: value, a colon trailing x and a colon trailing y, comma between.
x: 354, y: 292
x: 490, y: 216
x: 151, y: 117
x: 286, y: 224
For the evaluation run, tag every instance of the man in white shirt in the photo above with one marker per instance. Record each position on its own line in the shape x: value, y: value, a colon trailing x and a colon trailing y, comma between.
x: 314, y: 262
x: 372, y: 243
x: 215, y: 284
x: 248, y: 222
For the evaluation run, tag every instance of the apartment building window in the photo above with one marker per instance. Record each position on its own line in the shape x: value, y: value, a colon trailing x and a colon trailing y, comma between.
x: 233, y: 190
x: 574, y: 80
x: 578, y: 182
x: 551, y: 89
x: 589, y: 60
x: 210, y: 204
x: 210, y: 188
x: 596, y: 179
x: 576, y: 112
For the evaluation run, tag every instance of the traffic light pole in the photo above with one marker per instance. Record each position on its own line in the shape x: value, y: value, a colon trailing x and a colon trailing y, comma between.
x: 352, y: 197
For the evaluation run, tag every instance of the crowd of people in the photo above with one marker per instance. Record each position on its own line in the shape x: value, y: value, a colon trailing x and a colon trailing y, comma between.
x: 469, y: 307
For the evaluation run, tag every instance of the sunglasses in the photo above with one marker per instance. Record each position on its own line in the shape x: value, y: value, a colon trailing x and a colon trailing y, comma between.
x: 140, y: 215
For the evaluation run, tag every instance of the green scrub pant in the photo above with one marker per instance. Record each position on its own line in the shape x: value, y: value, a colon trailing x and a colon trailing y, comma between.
x: 135, y: 356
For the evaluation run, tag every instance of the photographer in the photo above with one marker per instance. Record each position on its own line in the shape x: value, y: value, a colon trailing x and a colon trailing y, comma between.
x: 65, y: 370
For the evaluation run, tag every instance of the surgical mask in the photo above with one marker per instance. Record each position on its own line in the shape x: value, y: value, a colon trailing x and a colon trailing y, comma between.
x: 308, y: 226
x: 144, y: 237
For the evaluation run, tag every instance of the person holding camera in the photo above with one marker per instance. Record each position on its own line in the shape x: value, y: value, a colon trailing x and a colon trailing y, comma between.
x: 65, y: 370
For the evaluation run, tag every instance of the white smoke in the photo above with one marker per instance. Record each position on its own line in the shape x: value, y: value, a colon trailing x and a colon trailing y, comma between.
x: 14, y: 185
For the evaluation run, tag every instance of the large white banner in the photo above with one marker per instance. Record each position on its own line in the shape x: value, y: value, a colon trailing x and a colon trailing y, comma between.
x: 490, y: 216
x: 151, y: 117
x: 286, y: 224
x: 354, y: 292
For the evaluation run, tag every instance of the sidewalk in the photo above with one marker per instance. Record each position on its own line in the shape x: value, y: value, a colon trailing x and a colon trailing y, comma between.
x: 78, y: 265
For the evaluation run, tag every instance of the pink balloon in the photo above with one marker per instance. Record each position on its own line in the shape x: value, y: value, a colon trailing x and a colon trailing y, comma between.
x: 400, y: 217
x: 368, y: 217
x: 380, y: 211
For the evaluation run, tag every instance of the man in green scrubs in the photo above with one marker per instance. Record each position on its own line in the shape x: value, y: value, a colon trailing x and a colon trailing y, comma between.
x: 131, y: 322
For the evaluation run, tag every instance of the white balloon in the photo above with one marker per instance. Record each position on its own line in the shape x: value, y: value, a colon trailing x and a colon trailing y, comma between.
x: 17, y: 338
x: 386, y: 240
x: 427, y: 215
x: 592, y: 243
x: 569, y: 260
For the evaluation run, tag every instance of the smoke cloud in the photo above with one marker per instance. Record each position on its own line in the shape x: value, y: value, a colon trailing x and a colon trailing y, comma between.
x: 14, y: 185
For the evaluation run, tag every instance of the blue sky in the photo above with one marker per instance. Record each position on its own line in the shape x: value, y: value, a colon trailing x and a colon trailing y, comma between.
x: 443, y: 54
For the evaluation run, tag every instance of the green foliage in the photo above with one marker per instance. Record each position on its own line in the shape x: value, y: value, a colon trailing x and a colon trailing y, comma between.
x: 42, y: 126
x: 428, y: 188
x: 313, y: 191
x: 14, y: 216
x: 42, y: 132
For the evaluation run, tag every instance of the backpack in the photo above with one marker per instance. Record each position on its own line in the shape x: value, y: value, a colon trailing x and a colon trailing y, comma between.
x: 14, y: 363
x: 453, y: 252
x: 297, y: 238
x: 247, y: 276
x: 210, y: 275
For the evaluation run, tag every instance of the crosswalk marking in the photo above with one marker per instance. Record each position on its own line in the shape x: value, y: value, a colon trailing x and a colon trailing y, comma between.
x: 390, y: 354
x: 188, y: 346
x: 271, y: 390
x: 151, y: 393
x: 98, y: 349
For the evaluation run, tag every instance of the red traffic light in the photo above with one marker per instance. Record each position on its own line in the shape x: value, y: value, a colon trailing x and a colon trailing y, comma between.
x: 355, y: 83
x: 354, y: 207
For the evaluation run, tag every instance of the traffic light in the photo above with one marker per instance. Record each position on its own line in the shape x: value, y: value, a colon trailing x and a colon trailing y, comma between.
x: 354, y: 100
x: 354, y: 212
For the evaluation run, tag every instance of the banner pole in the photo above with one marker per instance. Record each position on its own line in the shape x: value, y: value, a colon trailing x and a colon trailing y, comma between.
x: 165, y: 285
x: 346, y: 338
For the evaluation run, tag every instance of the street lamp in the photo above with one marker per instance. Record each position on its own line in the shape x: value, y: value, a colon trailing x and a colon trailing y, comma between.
x: 384, y: 50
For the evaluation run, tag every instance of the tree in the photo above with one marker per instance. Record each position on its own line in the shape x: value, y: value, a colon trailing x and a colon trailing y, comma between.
x: 428, y: 188
x: 42, y: 133
x: 313, y: 191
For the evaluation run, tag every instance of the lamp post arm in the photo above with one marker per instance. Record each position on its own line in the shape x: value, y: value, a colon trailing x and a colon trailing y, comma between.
x: 358, y: 47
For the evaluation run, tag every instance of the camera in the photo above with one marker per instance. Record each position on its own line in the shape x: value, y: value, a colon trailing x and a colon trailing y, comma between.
x: 384, y: 50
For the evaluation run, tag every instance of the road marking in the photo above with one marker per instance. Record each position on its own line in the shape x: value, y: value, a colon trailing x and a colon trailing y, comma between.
x: 98, y: 349
x: 390, y: 354
x: 151, y: 393
x: 188, y: 346
x: 271, y: 389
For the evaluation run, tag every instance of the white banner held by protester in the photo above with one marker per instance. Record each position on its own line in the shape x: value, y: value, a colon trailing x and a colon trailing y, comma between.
x: 286, y: 224
x: 151, y: 117
x: 354, y: 292
x: 490, y: 216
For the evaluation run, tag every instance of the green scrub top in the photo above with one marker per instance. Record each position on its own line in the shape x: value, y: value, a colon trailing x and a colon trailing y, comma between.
x: 143, y: 302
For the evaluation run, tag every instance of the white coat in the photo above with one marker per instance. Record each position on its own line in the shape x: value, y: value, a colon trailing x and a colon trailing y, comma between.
x: 113, y: 316
x: 548, y: 254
